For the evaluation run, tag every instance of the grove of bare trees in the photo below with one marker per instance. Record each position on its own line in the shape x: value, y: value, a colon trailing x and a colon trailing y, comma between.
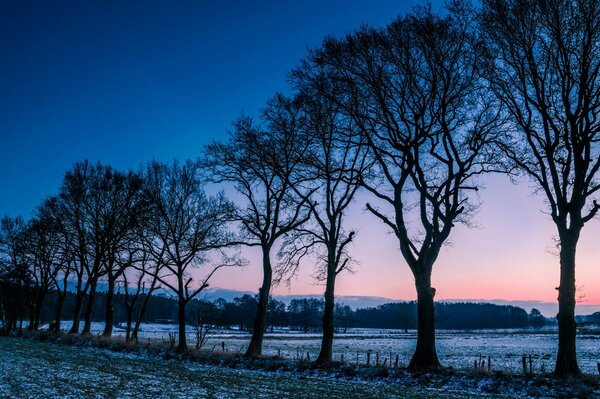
x: 412, y: 115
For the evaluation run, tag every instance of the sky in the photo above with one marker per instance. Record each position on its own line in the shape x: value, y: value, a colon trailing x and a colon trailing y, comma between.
x: 128, y: 82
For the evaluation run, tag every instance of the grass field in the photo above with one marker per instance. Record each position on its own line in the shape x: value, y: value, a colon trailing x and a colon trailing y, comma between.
x: 31, y: 369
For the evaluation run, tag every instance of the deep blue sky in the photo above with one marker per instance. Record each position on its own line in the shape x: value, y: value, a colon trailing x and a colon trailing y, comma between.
x: 126, y: 82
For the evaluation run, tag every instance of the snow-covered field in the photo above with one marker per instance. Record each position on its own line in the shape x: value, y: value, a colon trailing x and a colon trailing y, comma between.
x: 458, y: 349
x: 31, y: 369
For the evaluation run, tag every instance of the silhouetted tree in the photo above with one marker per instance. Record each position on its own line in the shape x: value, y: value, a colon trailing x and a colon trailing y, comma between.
x: 331, y: 172
x: 42, y: 242
x: 260, y: 161
x: 185, y: 228
x: 126, y: 208
x: 13, y: 272
x: 413, y: 90
x: 145, y: 274
x: 543, y: 64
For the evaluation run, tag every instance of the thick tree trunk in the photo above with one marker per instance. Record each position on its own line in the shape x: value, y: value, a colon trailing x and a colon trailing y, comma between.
x: 566, y: 359
x: 258, y: 329
x: 425, y: 356
x: 326, y: 353
x: 77, y: 313
x: 140, y: 315
x: 182, y: 346
x: 110, y: 308
x: 87, y: 326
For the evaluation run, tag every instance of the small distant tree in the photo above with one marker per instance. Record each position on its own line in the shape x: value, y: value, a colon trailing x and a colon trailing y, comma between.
x: 536, y: 319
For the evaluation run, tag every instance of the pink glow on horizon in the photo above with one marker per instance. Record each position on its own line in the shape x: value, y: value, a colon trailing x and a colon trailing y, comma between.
x: 508, y: 256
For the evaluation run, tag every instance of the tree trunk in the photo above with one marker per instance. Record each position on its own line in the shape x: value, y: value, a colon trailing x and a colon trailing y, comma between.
x: 110, y: 308
x: 182, y: 347
x: 77, y: 313
x: 57, y: 315
x: 326, y: 353
x: 87, y: 326
x: 425, y: 356
x: 38, y: 309
x: 566, y: 359
x: 2, y: 311
x: 129, y: 322
x: 258, y: 329
x: 140, y: 315
x: 31, y: 325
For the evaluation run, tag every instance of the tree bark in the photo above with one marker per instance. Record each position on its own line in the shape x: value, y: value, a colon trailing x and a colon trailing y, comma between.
x: 425, y: 356
x: 87, y: 326
x: 110, y: 308
x: 566, y: 360
x: 57, y: 315
x: 326, y: 353
x: 182, y: 346
x: 140, y: 315
x: 129, y: 323
x: 258, y: 329
x: 77, y: 313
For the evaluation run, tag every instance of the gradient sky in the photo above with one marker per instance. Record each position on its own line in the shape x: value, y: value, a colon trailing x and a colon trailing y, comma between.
x: 125, y: 83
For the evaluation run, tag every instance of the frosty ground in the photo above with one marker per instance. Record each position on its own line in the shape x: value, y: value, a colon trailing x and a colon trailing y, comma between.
x: 456, y: 349
x: 31, y: 369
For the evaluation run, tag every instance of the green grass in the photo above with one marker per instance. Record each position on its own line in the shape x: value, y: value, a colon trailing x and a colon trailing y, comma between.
x: 45, y: 370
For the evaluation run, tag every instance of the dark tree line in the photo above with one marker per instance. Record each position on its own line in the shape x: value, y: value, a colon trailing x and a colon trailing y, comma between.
x: 414, y: 114
x: 305, y: 314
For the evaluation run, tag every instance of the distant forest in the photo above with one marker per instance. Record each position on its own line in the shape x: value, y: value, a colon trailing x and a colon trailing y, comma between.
x: 306, y: 314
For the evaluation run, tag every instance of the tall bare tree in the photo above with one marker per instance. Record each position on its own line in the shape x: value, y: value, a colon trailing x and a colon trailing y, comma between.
x: 185, y: 228
x: 543, y: 65
x: 73, y: 195
x: 43, y: 247
x: 126, y: 207
x: 13, y: 271
x: 413, y: 90
x: 259, y: 161
x: 331, y: 171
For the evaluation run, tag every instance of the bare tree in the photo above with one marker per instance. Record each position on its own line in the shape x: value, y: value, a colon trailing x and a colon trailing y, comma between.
x: 13, y: 271
x: 259, y: 161
x: 543, y: 65
x: 43, y: 248
x: 331, y: 172
x: 73, y: 195
x: 127, y: 207
x: 413, y: 91
x: 144, y: 273
x: 186, y: 227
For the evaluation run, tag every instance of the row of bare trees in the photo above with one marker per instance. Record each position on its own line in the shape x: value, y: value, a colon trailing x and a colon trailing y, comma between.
x: 144, y: 230
x: 413, y: 113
